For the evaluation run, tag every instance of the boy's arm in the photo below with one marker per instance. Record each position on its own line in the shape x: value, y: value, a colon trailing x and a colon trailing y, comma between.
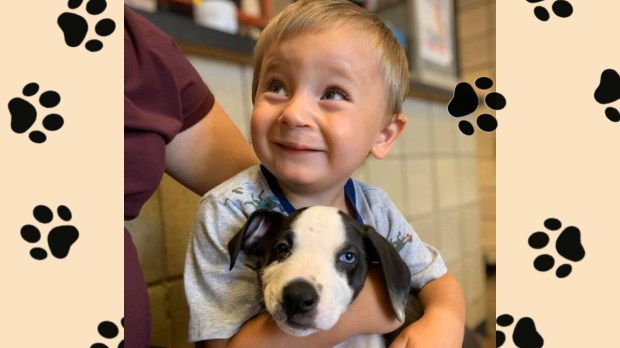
x: 441, y: 296
x: 443, y: 322
x: 370, y: 313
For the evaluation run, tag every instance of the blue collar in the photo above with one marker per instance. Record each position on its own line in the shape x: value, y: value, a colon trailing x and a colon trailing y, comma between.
x: 349, y: 191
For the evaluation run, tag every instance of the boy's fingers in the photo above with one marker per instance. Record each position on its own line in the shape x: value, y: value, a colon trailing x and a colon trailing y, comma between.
x: 399, y: 342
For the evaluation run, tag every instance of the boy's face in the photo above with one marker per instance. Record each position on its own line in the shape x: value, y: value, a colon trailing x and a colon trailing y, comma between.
x: 320, y: 108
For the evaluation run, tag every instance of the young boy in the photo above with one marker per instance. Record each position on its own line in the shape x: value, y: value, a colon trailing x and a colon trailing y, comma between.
x: 329, y: 82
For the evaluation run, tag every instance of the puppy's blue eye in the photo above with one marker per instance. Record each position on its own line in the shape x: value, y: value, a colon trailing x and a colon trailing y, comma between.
x: 348, y: 257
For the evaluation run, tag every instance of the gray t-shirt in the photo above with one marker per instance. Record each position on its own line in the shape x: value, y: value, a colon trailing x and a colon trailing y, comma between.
x: 220, y: 301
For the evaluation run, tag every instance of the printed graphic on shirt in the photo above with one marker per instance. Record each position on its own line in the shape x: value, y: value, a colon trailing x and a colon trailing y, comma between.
x: 400, y: 240
x: 262, y: 201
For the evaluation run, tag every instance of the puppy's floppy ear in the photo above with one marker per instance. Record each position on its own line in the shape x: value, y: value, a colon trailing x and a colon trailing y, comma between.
x: 396, y: 274
x: 256, y: 227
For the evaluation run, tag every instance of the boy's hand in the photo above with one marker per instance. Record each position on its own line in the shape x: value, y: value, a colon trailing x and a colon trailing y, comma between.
x: 443, y: 322
x: 428, y: 333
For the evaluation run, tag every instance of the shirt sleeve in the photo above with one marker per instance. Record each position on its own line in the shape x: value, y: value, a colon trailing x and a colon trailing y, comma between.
x: 160, y: 82
x: 424, y: 261
x: 196, y: 98
x: 220, y: 300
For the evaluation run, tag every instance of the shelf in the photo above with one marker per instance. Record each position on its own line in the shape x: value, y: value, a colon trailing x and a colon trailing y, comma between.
x: 195, y: 39
x: 424, y: 91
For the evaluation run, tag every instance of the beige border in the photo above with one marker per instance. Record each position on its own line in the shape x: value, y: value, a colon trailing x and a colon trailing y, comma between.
x: 60, y: 302
x: 557, y: 156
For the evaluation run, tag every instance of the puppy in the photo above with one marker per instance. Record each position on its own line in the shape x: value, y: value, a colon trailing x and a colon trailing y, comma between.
x: 313, y: 263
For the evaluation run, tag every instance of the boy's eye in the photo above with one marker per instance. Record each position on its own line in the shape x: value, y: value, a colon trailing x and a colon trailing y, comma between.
x: 334, y: 94
x: 275, y: 87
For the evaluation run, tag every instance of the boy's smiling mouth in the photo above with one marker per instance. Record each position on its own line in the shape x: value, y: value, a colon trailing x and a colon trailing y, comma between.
x: 293, y: 147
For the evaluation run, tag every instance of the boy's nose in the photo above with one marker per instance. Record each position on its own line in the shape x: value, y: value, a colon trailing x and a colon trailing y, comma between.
x: 297, y: 112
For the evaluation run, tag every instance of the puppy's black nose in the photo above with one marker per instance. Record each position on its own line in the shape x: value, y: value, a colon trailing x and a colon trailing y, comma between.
x: 299, y: 297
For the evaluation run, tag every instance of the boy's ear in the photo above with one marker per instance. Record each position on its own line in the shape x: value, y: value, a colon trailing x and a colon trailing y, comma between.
x: 386, y: 137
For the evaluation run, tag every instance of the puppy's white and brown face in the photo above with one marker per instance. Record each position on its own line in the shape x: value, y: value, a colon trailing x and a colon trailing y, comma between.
x: 312, y: 264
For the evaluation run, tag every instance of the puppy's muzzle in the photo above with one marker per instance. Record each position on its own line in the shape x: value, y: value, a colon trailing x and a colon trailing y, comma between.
x: 299, y: 298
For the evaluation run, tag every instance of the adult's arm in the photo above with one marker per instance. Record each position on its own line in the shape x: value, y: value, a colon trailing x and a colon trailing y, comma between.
x: 208, y: 152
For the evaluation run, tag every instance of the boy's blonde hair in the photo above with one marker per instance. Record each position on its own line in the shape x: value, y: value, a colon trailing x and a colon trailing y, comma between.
x: 312, y: 16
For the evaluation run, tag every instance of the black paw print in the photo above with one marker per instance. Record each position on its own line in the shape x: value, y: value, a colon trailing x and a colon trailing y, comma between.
x: 60, y: 238
x: 561, y: 8
x: 75, y: 27
x: 567, y: 245
x: 465, y: 101
x: 524, y: 334
x: 109, y: 330
x: 24, y: 114
x: 608, y: 91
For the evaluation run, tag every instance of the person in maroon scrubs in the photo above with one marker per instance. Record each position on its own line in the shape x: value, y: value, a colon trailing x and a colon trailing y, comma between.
x: 172, y: 124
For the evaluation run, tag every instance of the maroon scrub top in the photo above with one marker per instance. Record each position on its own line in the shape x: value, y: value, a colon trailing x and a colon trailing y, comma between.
x: 164, y: 95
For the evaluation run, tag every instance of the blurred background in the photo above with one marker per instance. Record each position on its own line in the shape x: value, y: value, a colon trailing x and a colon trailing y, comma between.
x: 442, y: 180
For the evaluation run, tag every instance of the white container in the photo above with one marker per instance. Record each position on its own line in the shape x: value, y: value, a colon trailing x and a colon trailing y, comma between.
x: 144, y: 5
x: 217, y: 14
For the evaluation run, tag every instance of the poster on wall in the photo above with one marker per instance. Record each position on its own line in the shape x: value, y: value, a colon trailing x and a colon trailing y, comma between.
x: 433, y: 56
x: 435, y: 31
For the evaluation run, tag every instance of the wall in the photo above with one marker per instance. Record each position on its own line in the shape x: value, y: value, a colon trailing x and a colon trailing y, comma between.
x: 476, y: 33
x: 441, y: 180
